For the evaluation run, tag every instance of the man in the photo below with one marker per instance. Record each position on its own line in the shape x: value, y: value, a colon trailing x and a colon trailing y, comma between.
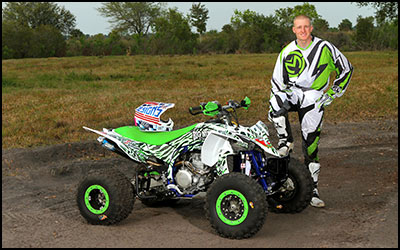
x: 300, y: 77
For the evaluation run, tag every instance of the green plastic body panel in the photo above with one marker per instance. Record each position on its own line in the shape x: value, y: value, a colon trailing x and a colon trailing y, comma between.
x: 153, y: 138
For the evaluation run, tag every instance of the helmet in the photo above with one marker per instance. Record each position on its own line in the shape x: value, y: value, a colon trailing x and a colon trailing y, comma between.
x: 148, y: 117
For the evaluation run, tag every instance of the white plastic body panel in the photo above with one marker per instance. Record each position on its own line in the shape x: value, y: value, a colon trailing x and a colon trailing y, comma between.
x: 214, y: 145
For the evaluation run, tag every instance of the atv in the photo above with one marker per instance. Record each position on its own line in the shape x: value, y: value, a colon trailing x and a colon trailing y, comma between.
x: 236, y: 167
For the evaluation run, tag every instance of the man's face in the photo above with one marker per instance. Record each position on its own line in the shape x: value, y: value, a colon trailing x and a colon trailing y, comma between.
x: 302, y: 28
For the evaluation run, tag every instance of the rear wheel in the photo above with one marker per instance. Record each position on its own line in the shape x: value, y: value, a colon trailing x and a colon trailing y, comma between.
x: 236, y: 206
x: 296, y: 192
x: 105, y: 197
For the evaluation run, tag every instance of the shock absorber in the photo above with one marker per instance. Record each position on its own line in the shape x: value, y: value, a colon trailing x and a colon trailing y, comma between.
x: 243, y: 162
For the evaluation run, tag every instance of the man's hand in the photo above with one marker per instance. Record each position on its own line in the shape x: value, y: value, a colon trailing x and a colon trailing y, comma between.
x: 324, y: 100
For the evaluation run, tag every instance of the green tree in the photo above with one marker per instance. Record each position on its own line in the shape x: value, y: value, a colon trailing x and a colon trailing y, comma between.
x: 257, y: 33
x: 320, y: 25
x: 285, y: 16
x: 244, y: 22
x: 211, y: 41
x: 198, y: 17
x: 34, y: 14
x: 385, y: 35
x: 305, y: 9
x: 16, y: 40
x: 345, y: 25
x: 364, y: 32
x: 132, y: 17
x: 114, y: 44
x: 47, y: 41
x: 76, y: 33
x: 21, y: 41
x: 97, y: 45
x: 385, y: 11
x: 173, y: 34
x: 74, y: 47
x: 245, y: 18
x: 230, y: 39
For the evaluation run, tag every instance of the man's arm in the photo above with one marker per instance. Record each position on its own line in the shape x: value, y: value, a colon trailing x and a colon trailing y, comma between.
x: 277, y: 83
x: 344, y: 71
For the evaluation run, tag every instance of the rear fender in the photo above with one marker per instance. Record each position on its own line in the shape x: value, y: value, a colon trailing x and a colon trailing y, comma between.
x: 105, y: 134
x: 117, y: 141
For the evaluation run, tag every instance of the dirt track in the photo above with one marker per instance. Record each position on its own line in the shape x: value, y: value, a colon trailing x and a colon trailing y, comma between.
x: 358, y: 181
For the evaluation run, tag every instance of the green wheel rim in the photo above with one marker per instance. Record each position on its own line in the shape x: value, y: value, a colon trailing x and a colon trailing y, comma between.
x: 91, y: 199
x: 221, y: 208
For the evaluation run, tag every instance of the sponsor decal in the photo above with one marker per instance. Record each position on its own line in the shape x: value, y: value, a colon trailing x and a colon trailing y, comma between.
x: 102, y: 217
x: 294, y: 63
x: 264, y: 143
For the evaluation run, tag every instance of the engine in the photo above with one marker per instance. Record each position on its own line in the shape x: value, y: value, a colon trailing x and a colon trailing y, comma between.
x: 192, y: 175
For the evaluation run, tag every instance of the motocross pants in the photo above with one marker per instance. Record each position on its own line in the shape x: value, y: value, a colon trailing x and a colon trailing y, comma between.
x: 310, y: 117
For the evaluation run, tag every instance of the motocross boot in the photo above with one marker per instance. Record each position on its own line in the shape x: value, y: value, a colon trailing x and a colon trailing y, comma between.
x: 285, y: 147
x: 315, y: 200
x: 314, y: 168
x: 285, y: 144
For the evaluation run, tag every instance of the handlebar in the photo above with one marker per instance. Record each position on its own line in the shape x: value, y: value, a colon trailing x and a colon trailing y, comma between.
x: 214, y: 108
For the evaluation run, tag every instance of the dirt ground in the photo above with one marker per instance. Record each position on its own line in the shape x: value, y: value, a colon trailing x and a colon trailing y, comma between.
x: 358, y: 181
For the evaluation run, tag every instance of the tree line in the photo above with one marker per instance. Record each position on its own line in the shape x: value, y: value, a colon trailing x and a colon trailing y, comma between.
x: 44, y: 29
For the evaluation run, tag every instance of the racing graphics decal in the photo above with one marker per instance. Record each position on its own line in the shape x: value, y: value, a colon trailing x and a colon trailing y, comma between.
x: 193, y: 140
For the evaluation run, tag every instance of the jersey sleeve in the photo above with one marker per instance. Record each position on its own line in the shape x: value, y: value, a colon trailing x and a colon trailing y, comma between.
x: 344, y: 71
x: 277, y: 82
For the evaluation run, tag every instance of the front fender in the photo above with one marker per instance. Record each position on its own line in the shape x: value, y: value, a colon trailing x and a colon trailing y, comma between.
x: 215, y: 149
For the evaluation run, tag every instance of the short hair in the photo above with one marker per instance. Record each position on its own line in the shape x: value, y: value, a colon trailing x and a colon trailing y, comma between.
x: 302, y: 16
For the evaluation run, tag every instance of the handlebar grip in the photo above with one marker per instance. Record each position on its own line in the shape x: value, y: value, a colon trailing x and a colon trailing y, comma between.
x: 198, y: 108
x: 245, y: 103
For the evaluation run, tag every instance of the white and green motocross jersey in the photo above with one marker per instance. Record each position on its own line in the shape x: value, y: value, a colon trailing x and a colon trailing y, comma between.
x: 310, y: 68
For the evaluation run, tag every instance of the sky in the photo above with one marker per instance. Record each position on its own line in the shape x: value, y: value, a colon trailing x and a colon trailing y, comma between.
x: 89, y: 21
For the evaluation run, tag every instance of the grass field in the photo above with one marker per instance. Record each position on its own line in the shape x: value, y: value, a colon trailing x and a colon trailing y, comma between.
x: 47, y: 101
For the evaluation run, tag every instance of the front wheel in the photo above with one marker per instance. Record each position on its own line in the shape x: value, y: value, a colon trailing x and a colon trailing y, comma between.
x: 105, y: 197
x: 236, y: 206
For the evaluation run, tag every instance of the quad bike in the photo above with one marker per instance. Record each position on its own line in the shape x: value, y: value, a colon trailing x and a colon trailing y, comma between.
x: 238, y: 168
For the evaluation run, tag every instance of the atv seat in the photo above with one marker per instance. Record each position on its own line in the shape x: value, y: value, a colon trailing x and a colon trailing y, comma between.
x: 153, y: 138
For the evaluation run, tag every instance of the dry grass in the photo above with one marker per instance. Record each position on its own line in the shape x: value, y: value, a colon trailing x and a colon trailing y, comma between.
x: 47, y: 101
